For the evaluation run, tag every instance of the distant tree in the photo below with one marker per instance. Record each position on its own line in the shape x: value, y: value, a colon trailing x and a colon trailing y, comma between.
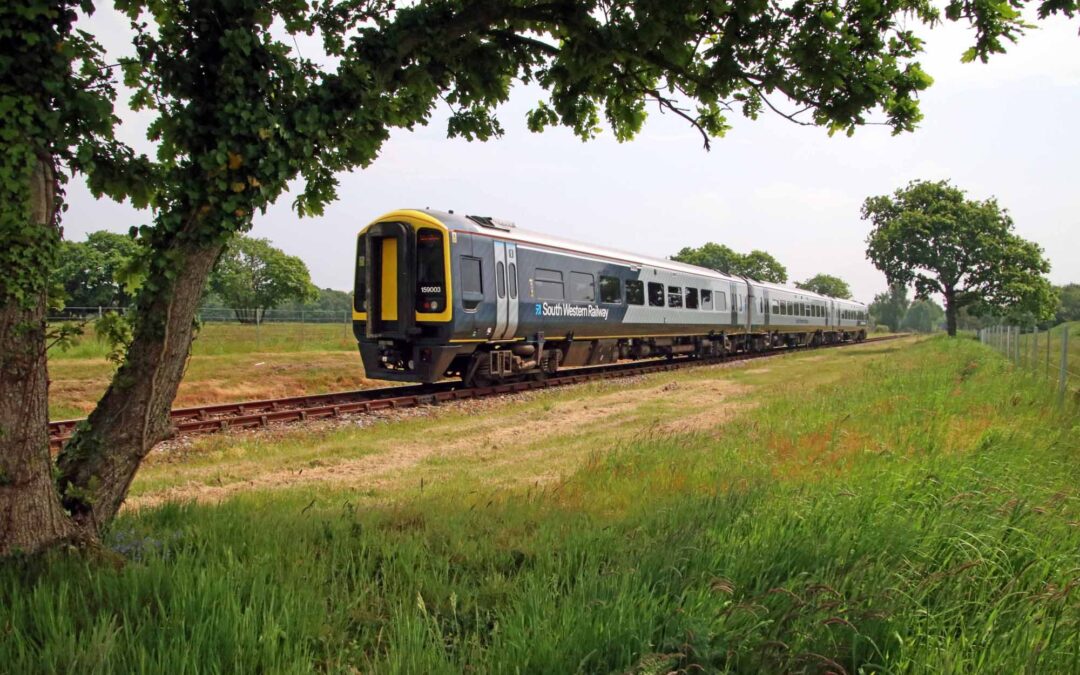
x: 762, y: 266
x: 923, y: 316
x: 756, y: 264
x: 1068, y: 308
x: 253, y: 276
x: 890, y: 307
x: 97, y: 272
x: 826, y: 284
x: 327, y: 300
x: 929, y: 235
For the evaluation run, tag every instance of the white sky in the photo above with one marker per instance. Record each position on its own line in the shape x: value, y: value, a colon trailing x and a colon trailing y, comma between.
x: 1008, y: 129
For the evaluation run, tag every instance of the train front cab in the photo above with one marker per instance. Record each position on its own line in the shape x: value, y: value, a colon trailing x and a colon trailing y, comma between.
x: 403, y: 298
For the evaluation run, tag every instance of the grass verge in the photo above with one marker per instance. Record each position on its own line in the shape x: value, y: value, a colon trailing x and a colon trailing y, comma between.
x: 877, y: 510
x: 229, y: 362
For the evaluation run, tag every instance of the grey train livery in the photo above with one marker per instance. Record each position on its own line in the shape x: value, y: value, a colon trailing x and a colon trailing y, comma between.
x: 440, y: 295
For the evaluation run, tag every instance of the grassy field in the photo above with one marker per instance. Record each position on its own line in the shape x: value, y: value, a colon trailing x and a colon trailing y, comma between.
x: 229, y: 362
x: 904, y: 507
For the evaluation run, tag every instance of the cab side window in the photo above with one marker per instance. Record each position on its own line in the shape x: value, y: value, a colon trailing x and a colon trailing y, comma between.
x: 472, y: 283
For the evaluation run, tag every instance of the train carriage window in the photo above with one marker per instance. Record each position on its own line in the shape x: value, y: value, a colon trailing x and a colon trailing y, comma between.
x: 706, y: 298
x: 548, y: 284
x: 635, y: 292
x: 582, y: 287
x: 500, y: 279
x: 674, y: 296
x: 610, y: 289
x: 775, y: 307
x: 656, y: 294
x: 691, y: 298
x: 513, y: 280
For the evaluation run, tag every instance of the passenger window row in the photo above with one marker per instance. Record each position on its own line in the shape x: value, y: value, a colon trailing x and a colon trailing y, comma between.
x: 548, y: 285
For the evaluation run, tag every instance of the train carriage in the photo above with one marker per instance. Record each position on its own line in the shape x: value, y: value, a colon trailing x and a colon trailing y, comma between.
x: 442, y: 295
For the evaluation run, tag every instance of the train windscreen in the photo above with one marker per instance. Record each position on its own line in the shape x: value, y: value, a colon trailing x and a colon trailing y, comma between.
x: 430, y: 272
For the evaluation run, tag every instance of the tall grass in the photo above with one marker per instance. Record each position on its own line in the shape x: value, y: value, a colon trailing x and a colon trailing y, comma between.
x: 920, y: 516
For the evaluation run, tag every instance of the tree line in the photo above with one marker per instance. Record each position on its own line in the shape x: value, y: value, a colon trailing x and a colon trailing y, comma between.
x: 251, y: 277
x: 238, y: 116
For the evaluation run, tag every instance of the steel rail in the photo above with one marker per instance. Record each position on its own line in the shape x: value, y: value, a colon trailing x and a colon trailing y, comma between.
x: 260, y: 413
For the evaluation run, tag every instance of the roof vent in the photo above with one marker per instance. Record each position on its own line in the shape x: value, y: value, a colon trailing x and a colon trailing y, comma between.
x: 494, y: 223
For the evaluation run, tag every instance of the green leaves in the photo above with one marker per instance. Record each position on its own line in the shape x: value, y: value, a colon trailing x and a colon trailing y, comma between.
x: 826, y: 284
x: 756, y: 264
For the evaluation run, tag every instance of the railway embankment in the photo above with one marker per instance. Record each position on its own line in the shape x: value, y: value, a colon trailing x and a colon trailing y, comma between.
x: 892, y: 506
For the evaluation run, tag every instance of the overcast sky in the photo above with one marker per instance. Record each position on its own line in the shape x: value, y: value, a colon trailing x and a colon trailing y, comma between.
x: 1008, y: 129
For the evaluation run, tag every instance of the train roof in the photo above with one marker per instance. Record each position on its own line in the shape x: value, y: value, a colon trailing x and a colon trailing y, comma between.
x: 488, y: 226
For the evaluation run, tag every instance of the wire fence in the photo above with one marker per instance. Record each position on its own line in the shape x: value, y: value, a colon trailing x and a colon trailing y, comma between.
x: 1048, y: 355
x: 231, y: 330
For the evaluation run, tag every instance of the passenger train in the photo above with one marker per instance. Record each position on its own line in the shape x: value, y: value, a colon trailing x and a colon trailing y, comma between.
x: 440, y: 295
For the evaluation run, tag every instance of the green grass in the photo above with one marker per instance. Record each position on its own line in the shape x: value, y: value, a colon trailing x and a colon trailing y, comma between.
x: 879, y: 510
x: 233, y: 338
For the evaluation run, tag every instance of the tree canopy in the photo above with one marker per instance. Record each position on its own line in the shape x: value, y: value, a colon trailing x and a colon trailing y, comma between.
x: 755, y: 264
x: 252, y: 276
x: 929, y: 235
x: 1068, y: 308
x: 826, y: 284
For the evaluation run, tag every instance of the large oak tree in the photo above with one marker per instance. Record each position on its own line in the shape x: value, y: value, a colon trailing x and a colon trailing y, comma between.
x: 238, y: 114
x: 928, y: 234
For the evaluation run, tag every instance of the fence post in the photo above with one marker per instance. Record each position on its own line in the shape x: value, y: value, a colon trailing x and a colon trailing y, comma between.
x: 1035, y: 352
x: 1048, y: 335
x: 1063, y: 381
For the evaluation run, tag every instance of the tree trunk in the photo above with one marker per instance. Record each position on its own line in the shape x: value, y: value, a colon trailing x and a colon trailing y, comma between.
x: 99, y: 463
x: 31, y: 517
x: 950, y: 313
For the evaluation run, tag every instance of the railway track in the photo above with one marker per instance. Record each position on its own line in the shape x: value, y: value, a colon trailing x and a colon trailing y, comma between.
x: 207, y: 419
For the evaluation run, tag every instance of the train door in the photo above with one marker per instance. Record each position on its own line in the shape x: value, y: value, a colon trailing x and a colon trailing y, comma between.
x: 506, y: 290
x: 734, y: 305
